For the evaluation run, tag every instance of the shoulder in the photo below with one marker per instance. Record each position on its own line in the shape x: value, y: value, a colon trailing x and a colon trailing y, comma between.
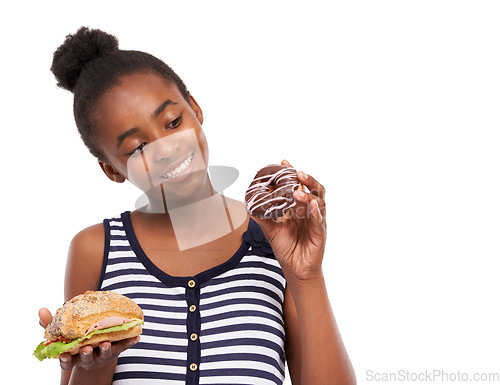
x: 85, y: 257
x: 88, y: 244
x: 86, y: 238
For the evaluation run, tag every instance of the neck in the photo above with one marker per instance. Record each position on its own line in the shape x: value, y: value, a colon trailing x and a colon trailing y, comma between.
x: 195, y: 221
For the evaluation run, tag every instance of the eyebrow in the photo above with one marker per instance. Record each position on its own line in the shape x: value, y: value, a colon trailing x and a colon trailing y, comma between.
x: 125, y: 135
x: 132, y: 131
x: 160, y: 109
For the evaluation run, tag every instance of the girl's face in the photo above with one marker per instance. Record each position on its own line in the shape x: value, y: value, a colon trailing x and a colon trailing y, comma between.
x: 153, y: 137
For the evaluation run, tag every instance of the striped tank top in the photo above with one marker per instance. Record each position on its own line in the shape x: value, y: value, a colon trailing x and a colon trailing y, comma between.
x: 222, y: 326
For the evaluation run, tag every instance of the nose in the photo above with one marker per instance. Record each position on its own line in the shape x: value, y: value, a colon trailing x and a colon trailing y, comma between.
x: 163, y: 148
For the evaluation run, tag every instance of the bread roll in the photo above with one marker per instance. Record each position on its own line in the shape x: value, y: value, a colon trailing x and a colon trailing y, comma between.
x: 79, y: 314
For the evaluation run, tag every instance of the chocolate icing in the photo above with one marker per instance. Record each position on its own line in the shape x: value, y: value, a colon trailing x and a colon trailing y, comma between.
x: 270, y: 194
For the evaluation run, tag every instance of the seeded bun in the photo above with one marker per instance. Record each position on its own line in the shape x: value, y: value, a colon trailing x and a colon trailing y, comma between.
x: 76, y: 316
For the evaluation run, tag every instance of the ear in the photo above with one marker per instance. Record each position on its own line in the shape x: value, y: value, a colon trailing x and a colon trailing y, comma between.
x: 111, y: 173
x: 196, y: 108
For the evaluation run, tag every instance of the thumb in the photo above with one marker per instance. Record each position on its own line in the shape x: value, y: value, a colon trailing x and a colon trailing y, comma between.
x: 45, y: 317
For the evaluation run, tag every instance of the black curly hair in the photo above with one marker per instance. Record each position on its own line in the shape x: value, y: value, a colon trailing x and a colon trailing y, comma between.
x: 89, y: 63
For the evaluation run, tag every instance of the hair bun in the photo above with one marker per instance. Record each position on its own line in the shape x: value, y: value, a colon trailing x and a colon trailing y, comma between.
x: 78, y: 50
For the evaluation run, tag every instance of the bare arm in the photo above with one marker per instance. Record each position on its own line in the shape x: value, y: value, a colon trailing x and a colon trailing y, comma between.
x: 83, y: 269
x: 315, y: 352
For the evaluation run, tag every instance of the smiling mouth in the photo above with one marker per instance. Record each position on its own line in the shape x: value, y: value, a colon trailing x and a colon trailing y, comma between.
x: 179, y: 170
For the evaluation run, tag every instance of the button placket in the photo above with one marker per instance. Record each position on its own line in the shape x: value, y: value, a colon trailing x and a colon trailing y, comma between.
x: 193, y: 326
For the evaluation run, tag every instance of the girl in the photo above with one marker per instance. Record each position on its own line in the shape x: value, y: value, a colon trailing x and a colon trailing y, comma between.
x: 222, y: 304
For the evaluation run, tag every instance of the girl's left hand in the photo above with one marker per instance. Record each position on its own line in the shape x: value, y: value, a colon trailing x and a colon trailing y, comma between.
x: 298, y: 240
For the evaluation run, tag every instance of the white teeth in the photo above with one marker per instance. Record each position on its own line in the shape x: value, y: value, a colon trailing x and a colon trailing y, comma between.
x: 184, y: 165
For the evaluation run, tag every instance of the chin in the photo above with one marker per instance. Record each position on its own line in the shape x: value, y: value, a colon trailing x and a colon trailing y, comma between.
x: 192, y: 188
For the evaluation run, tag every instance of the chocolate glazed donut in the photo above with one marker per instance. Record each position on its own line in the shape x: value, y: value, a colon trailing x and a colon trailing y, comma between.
x: 270, y: 194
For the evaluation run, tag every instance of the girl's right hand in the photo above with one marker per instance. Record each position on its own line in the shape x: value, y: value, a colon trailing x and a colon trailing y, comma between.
x: 89, y: 358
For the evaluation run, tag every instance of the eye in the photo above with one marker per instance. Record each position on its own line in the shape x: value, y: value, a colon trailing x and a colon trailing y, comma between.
x: 137, y: 151
x: 175, y: 123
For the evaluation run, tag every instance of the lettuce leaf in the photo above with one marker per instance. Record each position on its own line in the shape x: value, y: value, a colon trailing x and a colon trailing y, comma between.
x: 54, y: 349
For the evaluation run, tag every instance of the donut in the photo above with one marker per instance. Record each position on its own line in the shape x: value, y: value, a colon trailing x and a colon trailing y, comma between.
x: 270, y: 194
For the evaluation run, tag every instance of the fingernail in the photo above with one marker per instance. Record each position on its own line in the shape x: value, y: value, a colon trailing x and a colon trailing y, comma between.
x: 301, y: 194
x: 64, y: 358
x: 105, y: 348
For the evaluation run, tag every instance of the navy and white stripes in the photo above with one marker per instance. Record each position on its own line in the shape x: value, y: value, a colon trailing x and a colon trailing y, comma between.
x: 222, y: 326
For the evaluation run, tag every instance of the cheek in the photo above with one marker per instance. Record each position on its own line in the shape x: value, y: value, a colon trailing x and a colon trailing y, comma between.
x: 203, y: 144
x: 137, y: 174
x: 145, y: 170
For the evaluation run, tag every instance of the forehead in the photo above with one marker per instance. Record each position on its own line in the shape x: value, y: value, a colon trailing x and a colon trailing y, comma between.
x: 134, y: 99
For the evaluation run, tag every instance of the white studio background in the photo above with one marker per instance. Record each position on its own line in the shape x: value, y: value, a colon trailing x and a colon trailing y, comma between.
x: 392, y: 105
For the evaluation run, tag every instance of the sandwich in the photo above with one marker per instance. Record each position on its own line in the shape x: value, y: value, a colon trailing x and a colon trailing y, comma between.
x: 89, y: 319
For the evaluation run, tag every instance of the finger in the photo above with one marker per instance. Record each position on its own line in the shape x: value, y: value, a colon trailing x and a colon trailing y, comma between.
x: 105, y: 351
x: 285, y: 162
x: 312, y: 184
x: 66, y: 361
x: 315, y: 210
x: 300, y: 210
x: 45, y: 317
x: 318, y: 224
x: 120, y: 346
x: 86, y: 355
x: 307, y: 198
